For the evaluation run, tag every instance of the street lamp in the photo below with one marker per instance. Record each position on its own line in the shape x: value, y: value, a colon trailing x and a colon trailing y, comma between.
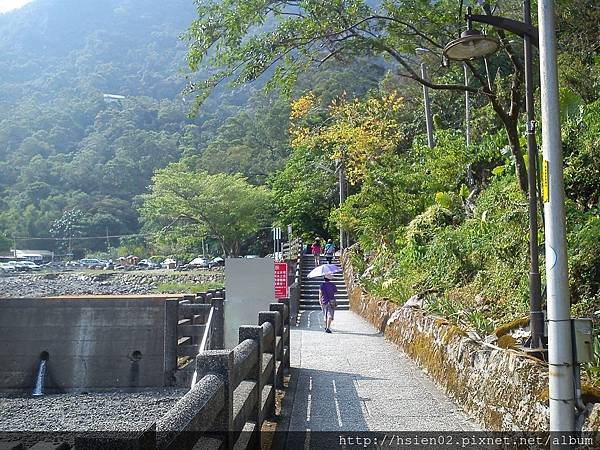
x: 472, y: 44
x: 560, y: 356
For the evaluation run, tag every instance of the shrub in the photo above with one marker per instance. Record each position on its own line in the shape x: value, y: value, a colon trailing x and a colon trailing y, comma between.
x: 421, y: 230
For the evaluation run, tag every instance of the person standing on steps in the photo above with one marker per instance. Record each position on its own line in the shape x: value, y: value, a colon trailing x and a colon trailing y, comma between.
x: 327, y: 292
x: 316, y: 251
x: 329, y: 251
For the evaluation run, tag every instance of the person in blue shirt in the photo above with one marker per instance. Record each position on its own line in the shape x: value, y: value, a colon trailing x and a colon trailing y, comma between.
x: 329, y: 251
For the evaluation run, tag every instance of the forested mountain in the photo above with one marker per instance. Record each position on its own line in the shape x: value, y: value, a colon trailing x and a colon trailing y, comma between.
x: 63, y: 147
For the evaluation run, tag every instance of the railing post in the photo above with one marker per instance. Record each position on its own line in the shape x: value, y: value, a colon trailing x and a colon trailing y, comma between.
x: 170, y: 340
x: 191, y: 299
x: 285, y: 313
x: 274, y: 319
x: 255, y: 333
x: 218, y: 324
x: 283, y: 329
x: 220, y: 363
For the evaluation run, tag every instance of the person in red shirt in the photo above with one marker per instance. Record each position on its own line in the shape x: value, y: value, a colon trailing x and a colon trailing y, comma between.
x: 316, y: 251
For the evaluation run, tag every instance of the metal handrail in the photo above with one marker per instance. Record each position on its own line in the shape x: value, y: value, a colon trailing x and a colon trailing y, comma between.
x: 205, y: 341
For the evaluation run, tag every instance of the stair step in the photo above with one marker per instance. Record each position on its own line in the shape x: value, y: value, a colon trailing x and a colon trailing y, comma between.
x: 316, y: 308
x: 318, y: 304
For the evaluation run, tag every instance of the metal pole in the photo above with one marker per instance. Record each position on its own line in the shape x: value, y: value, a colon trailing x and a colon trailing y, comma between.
x: 487, y: 73
x: 467, y: 109
x: 562, y: 403
x: 341, y: 179
x: 535, y: 297
x: 428, y: 121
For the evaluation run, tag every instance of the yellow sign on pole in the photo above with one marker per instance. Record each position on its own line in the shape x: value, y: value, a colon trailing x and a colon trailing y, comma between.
x: 545, y: 185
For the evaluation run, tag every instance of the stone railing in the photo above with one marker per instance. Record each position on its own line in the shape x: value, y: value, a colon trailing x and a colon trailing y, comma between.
x: 234, y: 395
x: 236, y: 388
x: 185, y: 325
x: 504, y: 390
x: 295, y: 277
x: 291, y: 249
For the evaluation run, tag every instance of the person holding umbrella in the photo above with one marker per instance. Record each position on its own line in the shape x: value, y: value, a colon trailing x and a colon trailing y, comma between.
x: 327, y: 292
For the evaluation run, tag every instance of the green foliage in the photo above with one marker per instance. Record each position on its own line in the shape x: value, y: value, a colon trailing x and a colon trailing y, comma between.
x: 424, y: 227
x: 184, y: 204
x: 5, y: 242
x: 584, y: 259
x: 582, y: 157
x: 188, y: 288
x: 63, y: 147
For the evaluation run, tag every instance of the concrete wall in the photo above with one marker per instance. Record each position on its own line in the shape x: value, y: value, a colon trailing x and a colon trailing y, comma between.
x: 249, y: 283
x: 93, y: 343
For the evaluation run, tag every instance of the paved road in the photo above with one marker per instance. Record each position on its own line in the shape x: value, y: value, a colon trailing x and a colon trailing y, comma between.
x: 355, y: 380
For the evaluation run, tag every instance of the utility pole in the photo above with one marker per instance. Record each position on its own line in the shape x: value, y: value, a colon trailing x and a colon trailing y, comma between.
x: 342, y: 186
x: 467, y: 108
x: 535, y: 283
x: 560, y: 353
x: 428, y: 119
x: 15, y: 245
x: 107, y: 241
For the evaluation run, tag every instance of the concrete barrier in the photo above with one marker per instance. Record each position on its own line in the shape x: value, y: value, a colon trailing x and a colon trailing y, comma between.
x: 236, y: 390
x: 104, y: 342
x: 92, y: 342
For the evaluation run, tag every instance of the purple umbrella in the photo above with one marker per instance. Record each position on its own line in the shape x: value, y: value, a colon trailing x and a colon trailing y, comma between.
x: 324, y: 269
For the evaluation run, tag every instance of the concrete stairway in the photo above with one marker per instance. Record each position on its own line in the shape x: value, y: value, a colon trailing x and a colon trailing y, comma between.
x: 309, y: 294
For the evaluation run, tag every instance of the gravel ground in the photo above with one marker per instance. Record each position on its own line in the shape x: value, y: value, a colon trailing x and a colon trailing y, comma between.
x: 74, y: 283
x: 114, y: 411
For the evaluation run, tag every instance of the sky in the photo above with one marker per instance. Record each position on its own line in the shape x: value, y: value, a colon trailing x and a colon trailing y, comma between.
x: 7, y: 5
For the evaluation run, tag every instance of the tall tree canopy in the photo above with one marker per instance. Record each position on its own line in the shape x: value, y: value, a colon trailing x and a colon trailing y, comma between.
x: 244, y: 39
x: 184, y: 203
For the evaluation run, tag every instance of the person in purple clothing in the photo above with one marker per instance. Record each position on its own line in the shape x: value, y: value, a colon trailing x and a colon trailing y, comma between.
x: 327, y: 292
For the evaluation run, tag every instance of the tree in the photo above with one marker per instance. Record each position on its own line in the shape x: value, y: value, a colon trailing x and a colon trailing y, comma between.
x: 191, y: 204
x: 244, y: 39
x: 4, y: 242
x: 70, y: 225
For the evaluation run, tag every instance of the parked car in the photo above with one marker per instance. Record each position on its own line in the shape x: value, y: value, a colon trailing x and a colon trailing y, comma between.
x: 148, y: 264
x: 90, y: 262
x: 93, y: 263
x: 169, y: 263
x: 30, y: 265
x: 20, y: 267
x: 54, y: 265
x: 7, y: 267
x: 198, y: 262
x: 216, y: 262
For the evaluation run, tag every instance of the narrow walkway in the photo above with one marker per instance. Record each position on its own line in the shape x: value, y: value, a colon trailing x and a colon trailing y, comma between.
x: 355, y: 380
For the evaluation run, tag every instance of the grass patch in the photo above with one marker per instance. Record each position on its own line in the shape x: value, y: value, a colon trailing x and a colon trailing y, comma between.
x: 173, y: 287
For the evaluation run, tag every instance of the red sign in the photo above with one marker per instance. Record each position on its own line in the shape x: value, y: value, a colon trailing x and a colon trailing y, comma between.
x: 281, y: 280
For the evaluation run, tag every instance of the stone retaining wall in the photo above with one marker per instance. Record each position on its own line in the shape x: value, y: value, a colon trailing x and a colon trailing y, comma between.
x: 501, y: 389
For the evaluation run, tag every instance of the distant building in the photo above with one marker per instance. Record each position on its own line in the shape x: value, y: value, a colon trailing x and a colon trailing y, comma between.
x: 37, y: 256
x: 112, y: 98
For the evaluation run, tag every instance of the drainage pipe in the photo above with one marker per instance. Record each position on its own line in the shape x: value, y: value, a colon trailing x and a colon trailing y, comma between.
x: 40, y: 380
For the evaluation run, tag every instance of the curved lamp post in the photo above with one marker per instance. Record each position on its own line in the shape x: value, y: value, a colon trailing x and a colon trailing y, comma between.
x: 471, y: 45
x: 561, y: 374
